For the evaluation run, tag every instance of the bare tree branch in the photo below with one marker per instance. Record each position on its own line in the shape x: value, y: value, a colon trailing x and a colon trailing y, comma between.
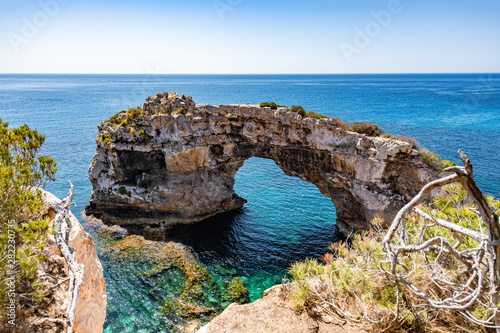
x: 483, y: 262
x: 63, y: 227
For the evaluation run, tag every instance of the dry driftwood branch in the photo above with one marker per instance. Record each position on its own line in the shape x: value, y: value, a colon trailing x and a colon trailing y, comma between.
x: 424, y: 192
x: 483, y: 261
x: 63, y: 227
x: 448, y: 225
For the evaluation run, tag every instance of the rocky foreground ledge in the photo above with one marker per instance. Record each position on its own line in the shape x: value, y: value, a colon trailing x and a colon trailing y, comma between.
x: 174, y: 161
x: 276, y: 313
x: 53, y: 274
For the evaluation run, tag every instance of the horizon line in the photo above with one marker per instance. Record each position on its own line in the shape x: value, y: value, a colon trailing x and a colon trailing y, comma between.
x: 156, y: 74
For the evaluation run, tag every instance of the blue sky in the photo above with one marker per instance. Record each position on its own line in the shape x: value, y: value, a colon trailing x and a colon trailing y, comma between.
x: 249, y: 36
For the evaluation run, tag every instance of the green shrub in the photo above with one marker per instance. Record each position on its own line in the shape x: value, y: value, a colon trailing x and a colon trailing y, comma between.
x: 23, y: 172
x: 315, y: 115
x: 299, y: 109
x: 180, y: 110
x: 448, y: 163
x: 105, y: 139
x: 272, y: 105
x: 434, y: 160
x: 365, y: 128
x: 339, y: 123
x: 389, y: 136
x: 134, y: 114
x: 354, y: 283
x: 122, y: 190
x: 113, y: 119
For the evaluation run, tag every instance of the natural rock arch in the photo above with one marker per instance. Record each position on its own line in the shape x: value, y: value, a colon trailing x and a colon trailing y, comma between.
x: 175, y: 161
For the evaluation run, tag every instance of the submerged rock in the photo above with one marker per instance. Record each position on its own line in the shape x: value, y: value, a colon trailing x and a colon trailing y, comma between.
x: 114, y: 231
x: 192, y: 305
x: 174, y: 161
x: 236, y: 292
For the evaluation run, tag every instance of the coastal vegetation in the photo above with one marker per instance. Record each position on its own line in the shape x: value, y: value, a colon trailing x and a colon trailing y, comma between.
x: 272, y: 105
x: 434, y: 159
x: 432, y: 271
x: 23, y: 223
x: 295, y: 108
x: 298, y: 109
x: 315, y: 115
x: 365, y: 128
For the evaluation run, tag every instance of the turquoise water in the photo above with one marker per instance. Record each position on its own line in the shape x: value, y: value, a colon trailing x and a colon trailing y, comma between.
x: 285, y: 218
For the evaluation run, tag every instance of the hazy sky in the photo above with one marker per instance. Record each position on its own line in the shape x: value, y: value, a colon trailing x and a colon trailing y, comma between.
x: 249, y: 36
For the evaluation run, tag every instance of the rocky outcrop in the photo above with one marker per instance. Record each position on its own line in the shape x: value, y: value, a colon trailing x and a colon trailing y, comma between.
x: 90, y: 310
x: 275, y: 312
x: 194, y: 304
x: 175, y: 161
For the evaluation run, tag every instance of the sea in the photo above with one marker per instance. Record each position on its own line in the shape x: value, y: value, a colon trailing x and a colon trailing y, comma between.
x: 285, y: 219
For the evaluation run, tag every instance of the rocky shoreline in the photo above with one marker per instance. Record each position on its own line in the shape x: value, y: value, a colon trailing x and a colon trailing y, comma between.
x: 276, y: 313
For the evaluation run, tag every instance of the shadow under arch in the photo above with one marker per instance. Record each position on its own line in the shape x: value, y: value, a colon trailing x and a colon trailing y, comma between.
x: 281, y: 223
x: 317, y: 167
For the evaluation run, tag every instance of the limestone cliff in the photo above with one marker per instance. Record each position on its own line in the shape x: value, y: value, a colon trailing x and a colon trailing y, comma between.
x: 90, y: 310
x: 175, y: 161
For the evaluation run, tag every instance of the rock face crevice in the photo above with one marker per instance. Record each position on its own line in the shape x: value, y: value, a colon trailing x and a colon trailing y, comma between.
x: 175, y: 161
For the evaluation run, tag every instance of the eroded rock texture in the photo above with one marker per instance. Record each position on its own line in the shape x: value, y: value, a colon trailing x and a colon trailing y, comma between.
x: 276, y: 312
x: 175, y: 161
x: 90, y: 310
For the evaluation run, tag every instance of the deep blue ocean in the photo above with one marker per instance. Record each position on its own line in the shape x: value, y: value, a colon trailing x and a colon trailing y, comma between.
x: 285, y: 219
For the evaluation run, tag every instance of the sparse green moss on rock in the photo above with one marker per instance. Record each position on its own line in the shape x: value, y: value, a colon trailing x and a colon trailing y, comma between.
x: 315, y: 115
x: 105, y: 139
x: 434, y: 160
x: 236, y: 291
x: 272, y: 105
x: 193, y: 302
x: 180, y: 110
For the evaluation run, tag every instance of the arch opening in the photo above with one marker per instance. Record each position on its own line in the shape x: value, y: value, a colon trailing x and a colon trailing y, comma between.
x: 282, y: 205
x: 284, y: 220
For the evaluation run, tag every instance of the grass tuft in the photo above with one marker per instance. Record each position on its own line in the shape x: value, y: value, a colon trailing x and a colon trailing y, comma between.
x: 350, y: 281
